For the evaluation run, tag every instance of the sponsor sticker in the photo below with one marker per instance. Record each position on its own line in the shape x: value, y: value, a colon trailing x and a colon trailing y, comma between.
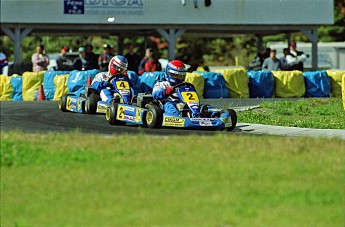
x: 79, y: 104
x: 102, y: 108
x: 124, y: 92
x: 69, y: 104
x: 129, y: 108
x: 173, y: 121
x: 205, y: 123
x: 202, y: 119
x: 129, y: 118
x: 137, y: 116
x: 72, y: 107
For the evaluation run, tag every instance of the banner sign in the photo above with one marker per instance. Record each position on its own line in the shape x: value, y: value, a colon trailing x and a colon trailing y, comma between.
x: 104, y: 7
x: 73, y: 6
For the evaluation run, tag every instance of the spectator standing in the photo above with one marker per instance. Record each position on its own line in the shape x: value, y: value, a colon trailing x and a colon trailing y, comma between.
x: 296, y: 58
x: 104, y: 59
x: 149, y: 63
x: 3, y: 64
x: 283, y: 59
x: 63, y: 62
x: 256, y: 63
x: 91, y: 57
x: 272, y: 62
x: 81, y: 63
x: 262, y: 55
x: 40, y: 60
x: 132, y: 58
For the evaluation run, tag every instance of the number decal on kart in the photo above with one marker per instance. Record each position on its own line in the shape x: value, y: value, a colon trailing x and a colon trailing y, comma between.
x: 68, y: 103
x: 120, y: 112
x: 122, y: 85
x: 190, y: 96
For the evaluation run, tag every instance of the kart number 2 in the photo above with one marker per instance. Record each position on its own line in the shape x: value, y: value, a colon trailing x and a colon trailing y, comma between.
x: 120, y: 112
x: 190, y: 97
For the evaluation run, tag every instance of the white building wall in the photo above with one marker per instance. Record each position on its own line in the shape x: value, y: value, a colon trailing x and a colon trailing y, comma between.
x: 279, y: 12
x: 330, y: 55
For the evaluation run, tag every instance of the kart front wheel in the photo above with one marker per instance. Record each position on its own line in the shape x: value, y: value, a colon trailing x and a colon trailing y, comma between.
x: 63, y: 102
x: 233, y: 117
x: 110, y: 115
x: 154, y: 116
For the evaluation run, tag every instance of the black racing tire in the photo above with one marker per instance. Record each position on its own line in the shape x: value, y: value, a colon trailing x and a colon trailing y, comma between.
x: 233, y: 116
x: 110, y: 115
x: 154, y: 116
x: 204, y: 111
x: 63, y: 102
x: 91, y: 103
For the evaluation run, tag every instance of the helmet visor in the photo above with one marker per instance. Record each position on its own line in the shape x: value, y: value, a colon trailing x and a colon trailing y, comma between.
x: 180, y: 76
x: 119, y: 69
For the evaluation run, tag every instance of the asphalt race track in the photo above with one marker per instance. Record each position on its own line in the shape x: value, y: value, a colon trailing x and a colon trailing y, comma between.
x: 44, y: 116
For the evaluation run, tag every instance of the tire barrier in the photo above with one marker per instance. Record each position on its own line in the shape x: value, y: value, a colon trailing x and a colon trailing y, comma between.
x: 60, y: 83
x: 198, y: 81
x: 229, y: 83
x: 6, y: 88
x: 317, y: 84
x: 148, y: 80
x: 134, y: 77
x: 49, y: 85
x: 214, y: 85
x: 289, y: 84
x: 237, y: 82
x: 31, y: 84
x: 17, y: 85
x: 261, y: 84
x: 77, y: 81
x: 336, y: 78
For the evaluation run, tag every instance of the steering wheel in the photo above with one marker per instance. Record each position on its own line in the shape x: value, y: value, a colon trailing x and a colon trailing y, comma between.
x: 110, y: 84
x: 182, y: 84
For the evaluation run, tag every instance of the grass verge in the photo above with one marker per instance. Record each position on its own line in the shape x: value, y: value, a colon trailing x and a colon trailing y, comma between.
x: 319, y: 113
x: 224, y: 180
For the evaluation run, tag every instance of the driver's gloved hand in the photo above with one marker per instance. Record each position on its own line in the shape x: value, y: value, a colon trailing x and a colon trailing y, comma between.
x: 169, y: 91
x: 105, y: 84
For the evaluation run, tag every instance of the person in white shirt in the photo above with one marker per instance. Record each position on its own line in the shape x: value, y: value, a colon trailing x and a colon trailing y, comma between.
x: 296, y: 58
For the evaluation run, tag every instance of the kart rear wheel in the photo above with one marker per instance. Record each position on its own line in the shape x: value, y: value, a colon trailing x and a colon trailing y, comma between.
x: 233, y: 116
x: 204, y: 111
x: 154, y: 116
x: 91, y: 103
x: 63, y: 102
x: 110, y: 115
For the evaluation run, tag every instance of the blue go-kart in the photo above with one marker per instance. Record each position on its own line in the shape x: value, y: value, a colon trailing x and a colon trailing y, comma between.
x: 149, y: 112
x: 191, y: 113
x: 91, y: 102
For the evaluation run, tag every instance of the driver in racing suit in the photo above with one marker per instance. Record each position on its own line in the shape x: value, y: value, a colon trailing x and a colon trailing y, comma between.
x: 175, y: 73
x: 117, y: 67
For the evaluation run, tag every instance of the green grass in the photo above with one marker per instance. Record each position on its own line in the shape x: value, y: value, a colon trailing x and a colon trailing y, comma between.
x: 306, y: 113
x: 122, y: 180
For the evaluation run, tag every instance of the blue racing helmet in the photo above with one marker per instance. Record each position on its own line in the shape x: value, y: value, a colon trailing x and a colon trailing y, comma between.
x: 118, y: 65
x: 175, y: 72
